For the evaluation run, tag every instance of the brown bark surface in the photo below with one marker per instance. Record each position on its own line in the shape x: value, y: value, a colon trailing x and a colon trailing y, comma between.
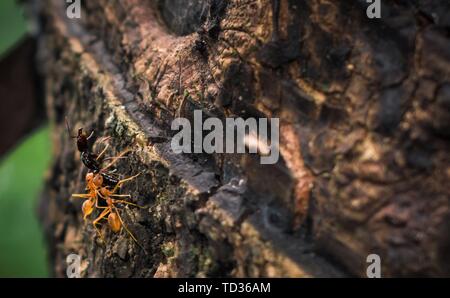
x: 364, y: 107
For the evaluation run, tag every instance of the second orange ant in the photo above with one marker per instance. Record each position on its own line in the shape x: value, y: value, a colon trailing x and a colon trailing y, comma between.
x: 114, y: 219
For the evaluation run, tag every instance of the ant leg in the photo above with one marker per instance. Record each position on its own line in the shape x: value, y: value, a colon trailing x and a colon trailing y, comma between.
x: 119, y: 184
x: 82, y: 195
x: 125, y: 227
x: 96, y: 201
x: 100, y: 141
x: 99, y: 233
x: 99, y: 207
x: 115, y: 159
x: 102, y: 215
x: 129, y: 203
x: 121, y: 196
x: 103, y: 152
x: 103, y: 139
x: 128, y: 179
x: 109, y: 158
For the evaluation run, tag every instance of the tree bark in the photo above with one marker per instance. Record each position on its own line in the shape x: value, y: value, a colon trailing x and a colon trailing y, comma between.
x: 364, y: 108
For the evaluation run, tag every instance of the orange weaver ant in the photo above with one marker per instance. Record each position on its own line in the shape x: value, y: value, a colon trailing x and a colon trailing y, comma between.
x: 94, y: 182
x: 114, y: 220
x: 95, y: 190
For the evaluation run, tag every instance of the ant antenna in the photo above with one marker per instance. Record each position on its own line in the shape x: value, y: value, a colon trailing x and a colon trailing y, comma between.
x: 90, y: 136
x: 68, y: 129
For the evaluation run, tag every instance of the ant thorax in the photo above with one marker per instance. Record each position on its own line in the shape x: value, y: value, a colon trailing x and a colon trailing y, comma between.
x: 98, y: 180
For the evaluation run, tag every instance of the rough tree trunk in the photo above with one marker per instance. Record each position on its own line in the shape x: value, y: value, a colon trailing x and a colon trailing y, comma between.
x: 364, y: 138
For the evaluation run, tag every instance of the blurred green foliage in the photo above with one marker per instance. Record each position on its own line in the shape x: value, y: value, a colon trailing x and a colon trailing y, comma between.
x: 12, y: 24
x: 22, y: 250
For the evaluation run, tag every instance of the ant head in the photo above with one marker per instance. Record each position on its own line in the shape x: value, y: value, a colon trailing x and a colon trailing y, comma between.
x: 98, y: 180
x: 89, y: 177
x: 80, y: 132
x: 82, y: 140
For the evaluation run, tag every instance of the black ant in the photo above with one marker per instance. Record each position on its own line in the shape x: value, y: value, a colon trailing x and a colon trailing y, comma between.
x: 200, y: 45
x: 202, y: 41
x: 91, y: 160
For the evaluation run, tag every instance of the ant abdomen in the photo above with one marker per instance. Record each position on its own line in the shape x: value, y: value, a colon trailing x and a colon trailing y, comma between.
x: 90, y: 161
x: 87, y: 208
x: 108, y: 180
x: 114, y: 222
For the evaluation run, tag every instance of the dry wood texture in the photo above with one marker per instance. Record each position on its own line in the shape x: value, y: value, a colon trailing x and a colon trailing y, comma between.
x: 364, y: 107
